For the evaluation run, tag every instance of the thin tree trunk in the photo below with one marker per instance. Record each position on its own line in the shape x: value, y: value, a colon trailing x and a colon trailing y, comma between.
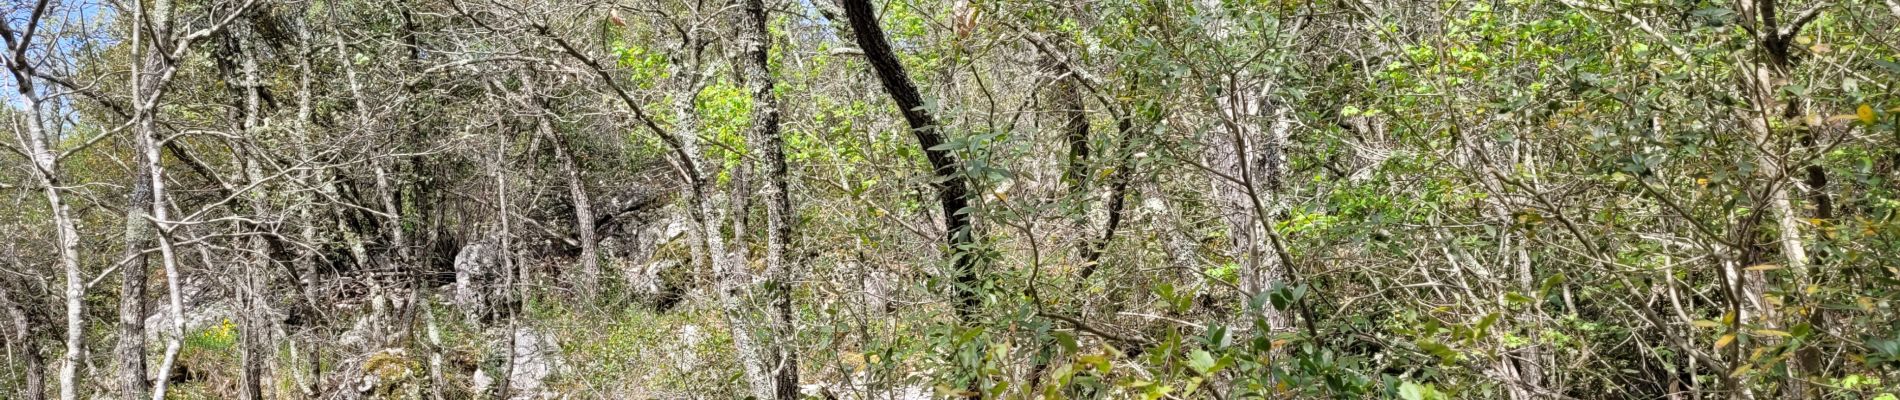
x: 167, y: 257
x: 138, y: 231
x: 22, y: 332
x: 953, y: 188
x: 1764, y: 73
x: 252, y: 302
x: 309, y: 220
x: 780, y: 258
x: 1242, y: 161
x: 133, y: 274
x: 576, y: 187
x: 46, y: 169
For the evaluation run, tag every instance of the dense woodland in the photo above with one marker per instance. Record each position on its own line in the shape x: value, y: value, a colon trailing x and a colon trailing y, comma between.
x: 904, y: 199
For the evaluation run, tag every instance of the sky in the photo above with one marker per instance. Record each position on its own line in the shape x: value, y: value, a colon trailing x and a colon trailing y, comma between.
x: 64, y: 20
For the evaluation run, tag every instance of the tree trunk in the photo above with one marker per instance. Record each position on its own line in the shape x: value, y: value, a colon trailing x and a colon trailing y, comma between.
x: 138, y: 232
x: 138, y: 236
x: 167, y: 257
x: 780, y: 259
x: 21, y: 331
x: 1764, y: 73
x: 252, y: 332
x: 953, y: 188
x: 46, y: 169
x: 1248, y: 161
x: 576, y: 187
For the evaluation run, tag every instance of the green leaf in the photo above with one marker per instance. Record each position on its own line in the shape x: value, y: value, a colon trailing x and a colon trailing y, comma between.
x: 1444, y: 353
x: 1200, y: 361
x: 1414, y: 391
x: 1516, y: 298
x: 1066, y: 340
x: 1484, y: 325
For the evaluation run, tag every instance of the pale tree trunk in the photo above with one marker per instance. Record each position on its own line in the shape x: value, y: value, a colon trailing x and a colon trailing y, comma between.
x: 309, y: 220
x: 1522, y: 368
x: 138, y: 227
x: 251, y: 299
x: 576, y: 187
x: 167, y: 257
x: 1764, y: 73
x: 364, y: 123
x: 133, y: 275
x: 1249, y: 159
x: 46, y: 170
x: 729, y: 270
x: 780, y: 259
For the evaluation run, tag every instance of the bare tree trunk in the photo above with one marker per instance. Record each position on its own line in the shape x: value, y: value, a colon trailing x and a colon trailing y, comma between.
x: 1248, y: 162
x: 378, y: 291
x: 309, y: 220
x: 1764, y: 74
x: 133, y: 275
x: 167, y: 257
x: 1073, y: 110
x: 46, y: 169
x: 252, y: 302
x: 576, y: 187
x: 22, y: 332
x: 1246, y: 156
x: 138, y: 231
x: 780, y: 259
x: 953, y: 188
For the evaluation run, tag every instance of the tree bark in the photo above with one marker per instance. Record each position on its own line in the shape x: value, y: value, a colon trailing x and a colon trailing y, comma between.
x: 780, y: 259
x: 953, y: 188
x: 21, y: 332
x: 138, y: 232
x: 576, y: 188
x: 252, y: 332
x: 46, y: 170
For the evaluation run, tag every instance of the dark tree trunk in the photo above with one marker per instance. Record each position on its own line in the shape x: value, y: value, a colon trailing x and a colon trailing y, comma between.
x: 22, y: 336
x: 953, y: 189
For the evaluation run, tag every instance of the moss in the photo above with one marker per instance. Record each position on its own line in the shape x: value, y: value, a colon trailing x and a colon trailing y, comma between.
x: 393, y: 371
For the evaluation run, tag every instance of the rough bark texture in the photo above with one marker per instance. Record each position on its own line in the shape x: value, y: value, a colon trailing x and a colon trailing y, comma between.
x: 576, y: 189
x: 953, y: 188
x: 23, y: 335
x: 1247, y: 157
x: 130, y: 352
x: 756, y: 42
x: 138, y: 227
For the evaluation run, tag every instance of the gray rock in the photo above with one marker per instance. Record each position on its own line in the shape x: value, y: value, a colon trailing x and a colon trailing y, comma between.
x: 478, y: 280
x: 536, y: 357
